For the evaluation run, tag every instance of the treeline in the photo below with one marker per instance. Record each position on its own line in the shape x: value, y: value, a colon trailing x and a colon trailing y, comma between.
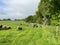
x: 10, y: 19
x: 48, y: 13
x: 5, y: 19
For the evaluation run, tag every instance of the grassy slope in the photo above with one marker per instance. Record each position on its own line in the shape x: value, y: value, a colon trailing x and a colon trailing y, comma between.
x: 28, y: 36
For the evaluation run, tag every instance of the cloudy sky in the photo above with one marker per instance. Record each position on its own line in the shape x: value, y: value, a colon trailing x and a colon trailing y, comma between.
x: 17, y: 9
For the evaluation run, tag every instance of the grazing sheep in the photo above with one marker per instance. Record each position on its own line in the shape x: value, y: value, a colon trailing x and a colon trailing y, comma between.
x: 35, y: 25
x: 39, y: 25
x: 6, y: 27
x: 1, y: 27
x: 19, y: 28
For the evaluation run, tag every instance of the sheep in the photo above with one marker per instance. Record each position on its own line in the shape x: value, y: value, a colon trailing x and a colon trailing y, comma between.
x: 6, y: 27
x: 39, y: 25
x: 1, y: 27
x: 19, y: 28
x: 35, y: 25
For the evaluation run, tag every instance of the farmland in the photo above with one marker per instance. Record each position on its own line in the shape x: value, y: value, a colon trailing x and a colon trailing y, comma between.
x: 29, y: 35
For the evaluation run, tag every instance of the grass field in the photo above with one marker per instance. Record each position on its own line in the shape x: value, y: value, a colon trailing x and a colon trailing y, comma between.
x: 29, y: 35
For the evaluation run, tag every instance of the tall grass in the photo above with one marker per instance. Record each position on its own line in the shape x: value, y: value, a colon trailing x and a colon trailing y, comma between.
x: 28, y: 36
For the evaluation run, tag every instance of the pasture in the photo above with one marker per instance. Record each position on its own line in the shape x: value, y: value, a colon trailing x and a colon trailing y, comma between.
x: 28, y: 35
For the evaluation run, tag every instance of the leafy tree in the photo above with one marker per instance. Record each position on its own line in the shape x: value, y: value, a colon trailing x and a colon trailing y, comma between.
x: 29, y: 19
x: 48, y: 10
x: 8, y: 19
x: 38, y: 18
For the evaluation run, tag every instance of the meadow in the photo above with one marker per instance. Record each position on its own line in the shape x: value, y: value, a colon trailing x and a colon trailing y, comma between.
x: 29, y: 35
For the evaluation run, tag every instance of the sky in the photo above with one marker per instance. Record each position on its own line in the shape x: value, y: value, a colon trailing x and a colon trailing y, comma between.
x: 17, y: 9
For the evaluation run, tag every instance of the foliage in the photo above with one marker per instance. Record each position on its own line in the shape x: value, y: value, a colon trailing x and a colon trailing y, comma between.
x: 6, y: 19
x: 29, y: 19
x: 48, y: 10
x: 17, y: 20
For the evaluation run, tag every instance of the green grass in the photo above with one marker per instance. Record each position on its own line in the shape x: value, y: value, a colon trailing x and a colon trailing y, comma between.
x: 28, y: 36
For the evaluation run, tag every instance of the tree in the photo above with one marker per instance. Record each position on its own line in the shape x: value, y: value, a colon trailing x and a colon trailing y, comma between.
x: 8, y: 19
x: 48, y: 10
x: 29, y: 19
x: 38, y: 18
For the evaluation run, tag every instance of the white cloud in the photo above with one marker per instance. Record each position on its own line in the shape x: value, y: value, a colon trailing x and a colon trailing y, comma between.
x: 19, y: 8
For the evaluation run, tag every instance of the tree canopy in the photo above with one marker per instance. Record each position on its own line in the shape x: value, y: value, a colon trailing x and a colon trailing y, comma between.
x: 48, y: 11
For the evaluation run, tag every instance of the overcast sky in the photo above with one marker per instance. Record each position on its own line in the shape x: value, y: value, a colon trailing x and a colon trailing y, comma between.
x: 17, y: 9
